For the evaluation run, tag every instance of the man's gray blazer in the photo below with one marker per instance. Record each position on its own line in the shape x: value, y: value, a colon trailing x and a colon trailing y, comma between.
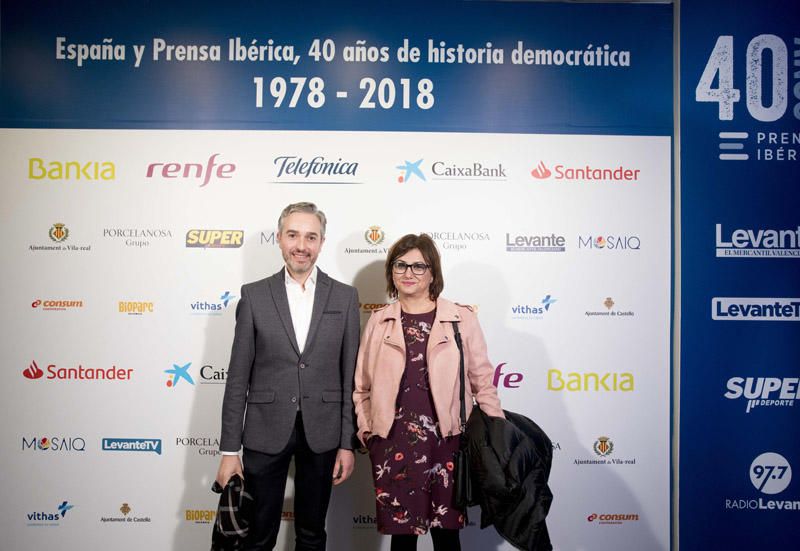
x: 269, y: 378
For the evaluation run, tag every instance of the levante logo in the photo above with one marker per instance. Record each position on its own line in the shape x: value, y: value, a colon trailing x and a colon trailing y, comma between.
x: 758, y: 243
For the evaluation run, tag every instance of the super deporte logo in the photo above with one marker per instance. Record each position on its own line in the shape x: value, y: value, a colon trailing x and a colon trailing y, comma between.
x: 764, y: 391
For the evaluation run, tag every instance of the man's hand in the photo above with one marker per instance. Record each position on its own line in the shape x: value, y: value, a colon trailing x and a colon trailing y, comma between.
x: 343, y: 468
x: 229, y: 466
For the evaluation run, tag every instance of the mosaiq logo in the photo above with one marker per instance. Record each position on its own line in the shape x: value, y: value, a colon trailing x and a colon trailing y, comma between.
x: 585, y: 173
x: 758, y: 392
x: 757, y: 243
x: 214, y: 308
x: 292, y: 169
x: 770, y: 474
x: 755, y: 309
x: 610, y: 242
x: 54, y: 444
x: 200, y: 172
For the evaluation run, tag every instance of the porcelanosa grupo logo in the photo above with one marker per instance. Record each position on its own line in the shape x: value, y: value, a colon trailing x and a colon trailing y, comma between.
x: 410, y: 171
x: 292, y: 169
x: 137, y: 237
x: 755, y: 309
x: 202, y: 445
x: 585, y: 173
x: 79, y: 373
x: 458, y: 240
x: 770, y: 474
x: 757, y: 392
x: 534, y: 311
x: 757, y: 243
x: 200, y: 172
x: 49, y: 518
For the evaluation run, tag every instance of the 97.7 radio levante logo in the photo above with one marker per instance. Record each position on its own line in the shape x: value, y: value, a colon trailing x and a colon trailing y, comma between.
x: 767, y: 97
x: 770, y: 474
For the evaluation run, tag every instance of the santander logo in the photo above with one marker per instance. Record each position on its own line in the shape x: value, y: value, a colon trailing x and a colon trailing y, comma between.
x: 33, y: 371
x: 541, y: 171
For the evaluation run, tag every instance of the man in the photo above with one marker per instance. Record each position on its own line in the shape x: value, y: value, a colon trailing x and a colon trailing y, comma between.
x: 290, y: 384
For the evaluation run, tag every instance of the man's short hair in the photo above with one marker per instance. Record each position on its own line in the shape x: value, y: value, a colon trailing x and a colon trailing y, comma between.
x: 308, y: 208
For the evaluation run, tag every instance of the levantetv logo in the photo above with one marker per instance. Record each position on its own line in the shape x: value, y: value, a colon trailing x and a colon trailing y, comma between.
x: 291, y: 169
x: 758, y: 243
x: 54, y: 518
x: 764, y: 391
x: 755, y: 309
x: 132, y: 445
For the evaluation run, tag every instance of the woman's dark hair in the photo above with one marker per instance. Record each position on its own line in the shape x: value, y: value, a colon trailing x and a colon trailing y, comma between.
x: 430, y: 253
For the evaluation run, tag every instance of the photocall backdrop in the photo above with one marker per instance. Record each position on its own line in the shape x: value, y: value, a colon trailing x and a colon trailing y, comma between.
x: 740, y: 344
x: 147, y: 153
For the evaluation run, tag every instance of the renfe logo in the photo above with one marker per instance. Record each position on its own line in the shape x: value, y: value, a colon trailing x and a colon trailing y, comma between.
x: 193, y: 170
x: 755, y: 309
x: 510, y: 380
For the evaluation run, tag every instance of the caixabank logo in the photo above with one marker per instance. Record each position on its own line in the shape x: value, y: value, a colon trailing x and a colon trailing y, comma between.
x: 763, y: 392
x: 50, y: 517
x: 585, y: 173
x: 770, y: 475
x: 757, y: 242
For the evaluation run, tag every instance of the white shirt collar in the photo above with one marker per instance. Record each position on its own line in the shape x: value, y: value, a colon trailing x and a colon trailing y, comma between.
x: 311, y: 282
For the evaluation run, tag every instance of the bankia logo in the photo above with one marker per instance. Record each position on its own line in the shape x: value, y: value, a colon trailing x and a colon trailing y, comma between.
x: 755, y: 309
x: 610, y: 242
x: 137, y: 237
x: 758, y: 392
x: 151, y: 445
x: 468, y: 171
x: 213, y: 308
x: 541, y: 243
x: 410, y: 171
x: 79, y: 373
x: 535, y: 311
x: 59, y: 241
x: 51, y: 518
x: 54, y: 444
x: 200, y: 172
x: 293, y: 169
x: 53, y: 305
x: 179, y: 372
x: 70, y: 170
x: 770, y: 474
x: 757, y: 243
x: 586, y: 173
x: 214, y: 239
x: 590, y: 381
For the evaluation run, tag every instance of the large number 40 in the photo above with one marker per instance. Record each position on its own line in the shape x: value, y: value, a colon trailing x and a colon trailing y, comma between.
x: 720, y: 63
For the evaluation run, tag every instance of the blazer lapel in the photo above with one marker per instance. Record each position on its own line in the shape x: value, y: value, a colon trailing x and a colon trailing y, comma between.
x: 277, y: 286
x: 321, y: 293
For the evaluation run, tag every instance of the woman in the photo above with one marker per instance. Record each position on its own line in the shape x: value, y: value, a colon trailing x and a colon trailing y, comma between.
x: 407, y: 397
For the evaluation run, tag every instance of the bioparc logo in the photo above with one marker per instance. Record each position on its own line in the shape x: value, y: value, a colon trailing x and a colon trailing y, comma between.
x: 126, y: 517
x: 214, y: 239
x: 610, y: 242
x: 135, y: 307
x: 534, y: 311
x: 603, y: 448
x: 201, y: 172
x: 52, y: 305
x: 79, y: 373
x: 757, y: 243
x: 292, y: 169
x: 770, y: 474
x: 214, y: 308
x: 585, y: 173
x: 146, y: 445
x: 763, y: 391
x: 54, y: 444
x: 611, y: 311
x: 755, y: 309
x: 53, y: 518
x: 59, y: 236
x: 200, y: 516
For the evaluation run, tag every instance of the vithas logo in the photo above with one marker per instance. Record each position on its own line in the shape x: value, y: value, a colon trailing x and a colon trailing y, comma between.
x: 33, y: 371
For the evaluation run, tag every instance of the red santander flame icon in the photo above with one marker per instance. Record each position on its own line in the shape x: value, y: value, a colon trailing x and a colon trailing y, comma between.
x: 33, y: 371
x: 541, y: 171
